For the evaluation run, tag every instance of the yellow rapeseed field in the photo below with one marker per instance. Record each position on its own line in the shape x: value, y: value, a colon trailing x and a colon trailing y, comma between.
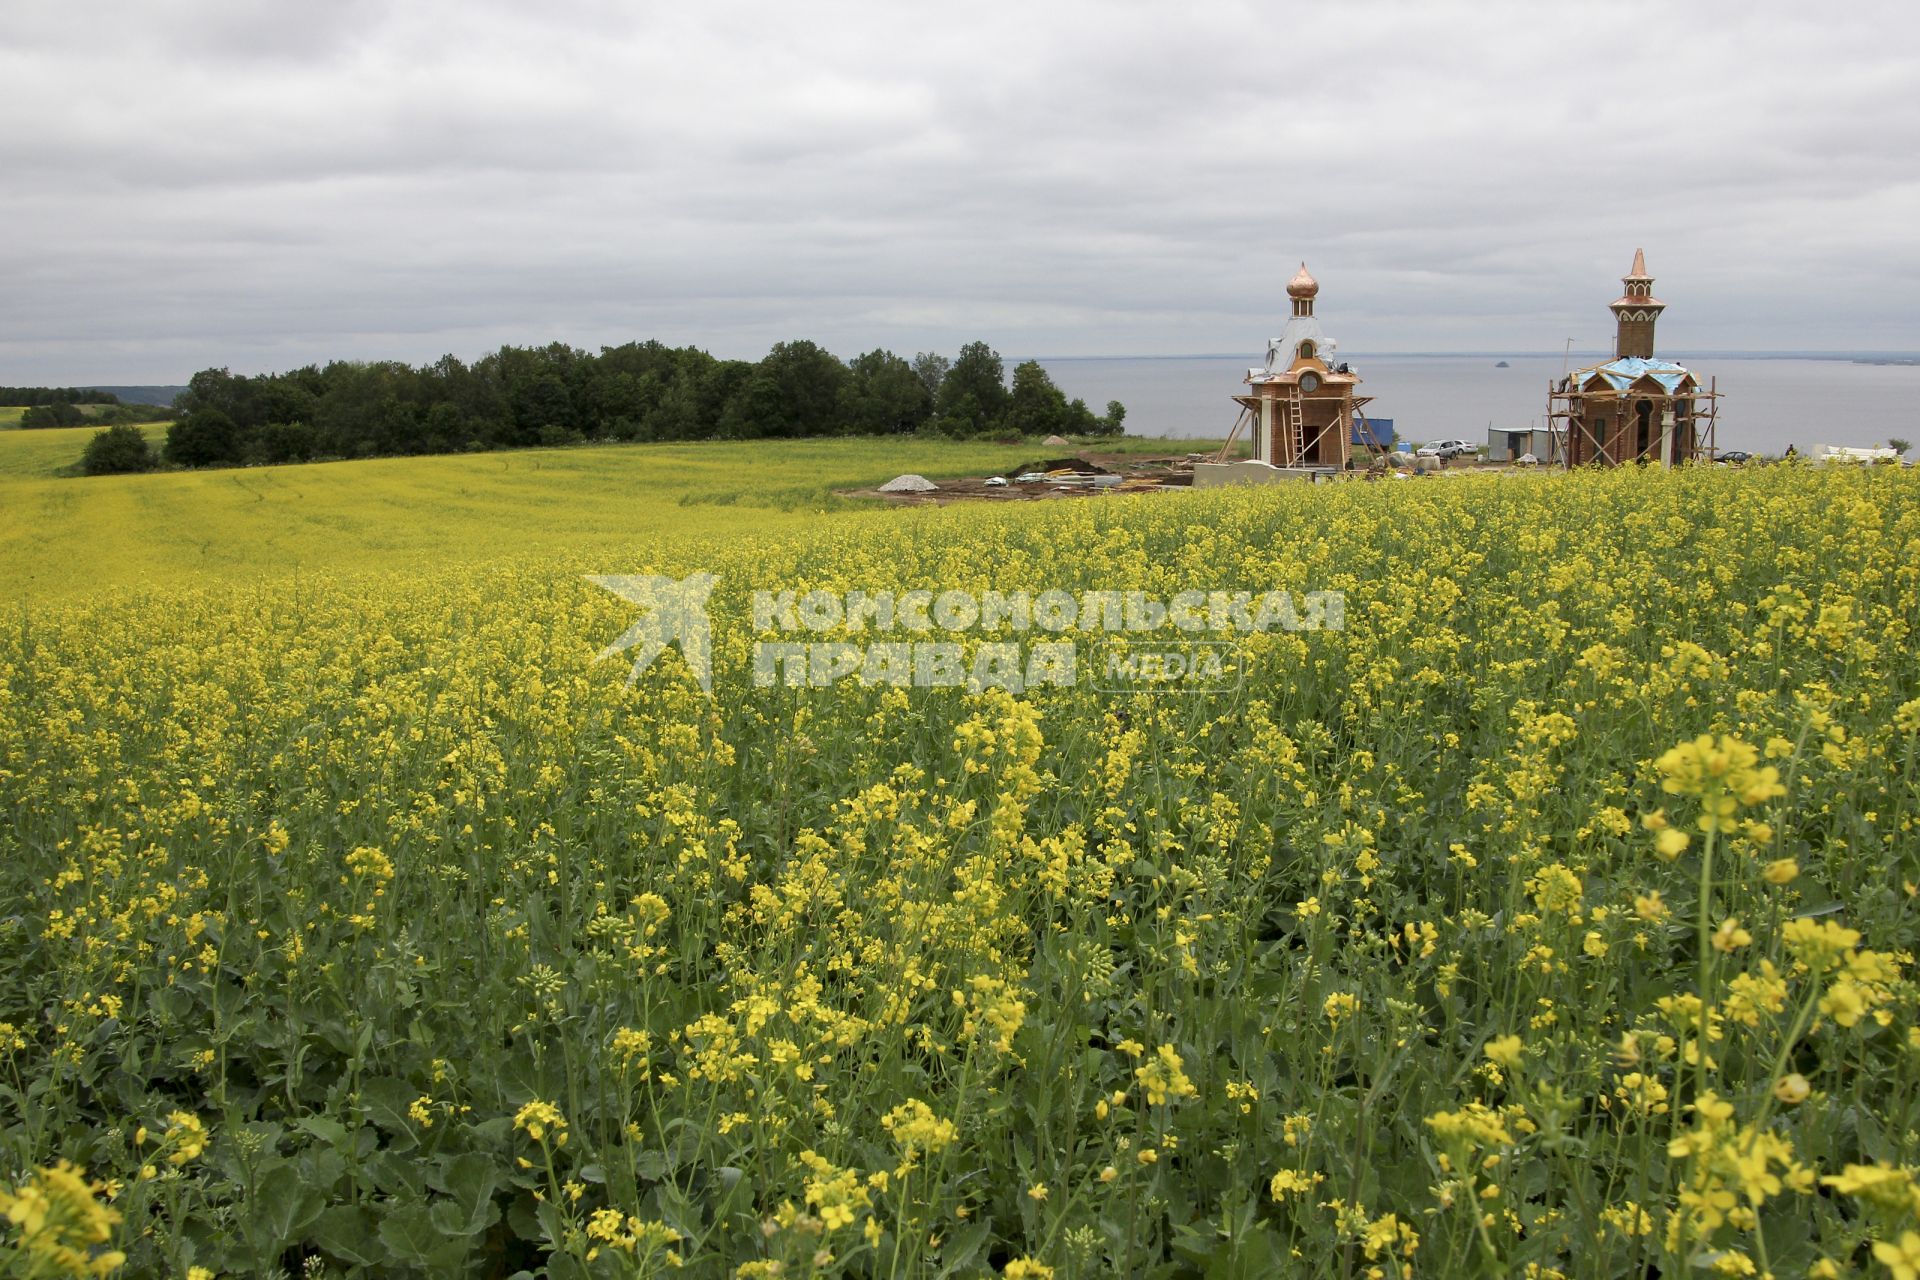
x: 66, y: 536
x: 1552, y: 917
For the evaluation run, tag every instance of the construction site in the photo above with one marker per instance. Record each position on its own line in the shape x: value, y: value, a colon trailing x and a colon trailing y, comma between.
x: 1302, y: 418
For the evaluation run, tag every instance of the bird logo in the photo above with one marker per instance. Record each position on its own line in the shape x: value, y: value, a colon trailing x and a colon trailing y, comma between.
x: 673, y: 611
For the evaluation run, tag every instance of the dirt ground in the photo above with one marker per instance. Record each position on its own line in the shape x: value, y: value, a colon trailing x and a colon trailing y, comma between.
x: 1138, y: 475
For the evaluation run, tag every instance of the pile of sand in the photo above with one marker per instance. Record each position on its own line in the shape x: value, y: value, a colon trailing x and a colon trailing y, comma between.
x: 909, y: 484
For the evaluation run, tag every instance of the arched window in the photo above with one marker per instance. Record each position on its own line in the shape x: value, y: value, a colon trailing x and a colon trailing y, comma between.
x: 1306, y: 350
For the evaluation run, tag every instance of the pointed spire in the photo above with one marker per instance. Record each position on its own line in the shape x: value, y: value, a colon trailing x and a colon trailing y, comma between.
x: 1636, y: 310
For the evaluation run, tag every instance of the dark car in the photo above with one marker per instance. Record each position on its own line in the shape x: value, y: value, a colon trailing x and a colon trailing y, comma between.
x: 1736, y: 456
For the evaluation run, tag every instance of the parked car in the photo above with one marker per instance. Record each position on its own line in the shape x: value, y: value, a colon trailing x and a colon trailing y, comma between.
x: 1736, y: 456
x: 1444, y: 449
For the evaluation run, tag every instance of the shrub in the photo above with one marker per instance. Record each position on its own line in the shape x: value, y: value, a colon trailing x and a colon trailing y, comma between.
x: 119, y: 450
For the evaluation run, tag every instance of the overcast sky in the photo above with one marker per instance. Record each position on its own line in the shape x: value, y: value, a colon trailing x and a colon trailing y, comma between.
x: 186, y: 183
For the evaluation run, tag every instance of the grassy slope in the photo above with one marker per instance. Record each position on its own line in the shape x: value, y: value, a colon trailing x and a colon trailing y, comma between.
x: 65, y: 536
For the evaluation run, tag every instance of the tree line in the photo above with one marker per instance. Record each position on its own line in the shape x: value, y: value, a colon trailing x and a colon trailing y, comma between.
x: 15, y: 397
x: 62, y: 413
x: 519, y: 397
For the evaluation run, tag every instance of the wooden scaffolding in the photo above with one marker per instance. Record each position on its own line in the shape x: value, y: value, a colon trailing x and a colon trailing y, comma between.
x: 1571, y: 410
x: 1294, y: 443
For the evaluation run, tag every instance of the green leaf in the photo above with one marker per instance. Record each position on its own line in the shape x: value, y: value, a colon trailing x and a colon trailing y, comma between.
x: 329, y: 1131
x: 964, y: 1248
x: 470, y: 1181
x: 346, y: 1232
x: 411, y: 1236
x: 386, y: 1099
x: 283, y: 1207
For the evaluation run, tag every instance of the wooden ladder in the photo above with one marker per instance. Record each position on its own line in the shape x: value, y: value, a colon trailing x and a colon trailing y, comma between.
x: 1296, y: 428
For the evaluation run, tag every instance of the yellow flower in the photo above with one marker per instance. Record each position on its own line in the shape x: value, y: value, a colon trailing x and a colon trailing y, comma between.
x: 1780, y: 871
x: 61, y: 1223
x: 1901, y: 1258
x: 1671, y: 843
x: 1038, y: 1191
x: 1818, y: 944
x: 1792, y: 1088
x: 537, y: 1118
x: 1290, y: 1182
x: 917, y: 1130
x: 1506, y: 1051
x: 186, y: 1135
x: 1844, y: 1003
x: 1711, y: 767
x: 1730, y: 937
x: 1164, y: 1076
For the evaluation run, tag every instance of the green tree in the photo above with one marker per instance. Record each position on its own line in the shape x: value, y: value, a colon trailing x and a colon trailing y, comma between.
x: 58, y: 414
x: 1036, y: 407
x: 1113, y: 423
x: 807, y: 381
x: 973, y: 395
x: 1898, y: 445
x: 119, y: 450
x: 931, y: 368
x: 883, y: 394
x: 204, y: 438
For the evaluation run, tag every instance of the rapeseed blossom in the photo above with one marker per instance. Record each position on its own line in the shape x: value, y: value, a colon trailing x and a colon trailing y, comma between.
x: 350, y: 872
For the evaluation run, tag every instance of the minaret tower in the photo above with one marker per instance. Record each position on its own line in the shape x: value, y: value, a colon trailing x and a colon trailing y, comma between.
x: 1636, y: 311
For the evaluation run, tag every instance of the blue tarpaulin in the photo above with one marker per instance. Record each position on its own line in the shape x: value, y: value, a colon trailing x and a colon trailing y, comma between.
x: 1381, y: 430
x: 1624, y: 372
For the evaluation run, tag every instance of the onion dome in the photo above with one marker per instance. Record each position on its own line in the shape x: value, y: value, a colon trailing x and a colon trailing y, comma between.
x: 1302, y: 285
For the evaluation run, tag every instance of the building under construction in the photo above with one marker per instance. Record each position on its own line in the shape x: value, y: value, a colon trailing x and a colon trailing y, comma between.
x: 1300, y: 409
x: 1634, y: 407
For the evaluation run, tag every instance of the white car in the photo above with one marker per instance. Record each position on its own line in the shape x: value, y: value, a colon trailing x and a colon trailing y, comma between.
x: 1444, y: 449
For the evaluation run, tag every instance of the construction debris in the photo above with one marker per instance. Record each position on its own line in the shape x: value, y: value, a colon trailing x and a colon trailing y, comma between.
x: 909, y: 484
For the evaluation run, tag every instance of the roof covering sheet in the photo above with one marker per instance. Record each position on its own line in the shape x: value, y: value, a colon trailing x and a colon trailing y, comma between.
x: 1624, y: 372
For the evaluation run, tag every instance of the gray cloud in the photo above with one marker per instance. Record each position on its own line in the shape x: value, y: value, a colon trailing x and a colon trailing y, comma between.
x: 195, y: 182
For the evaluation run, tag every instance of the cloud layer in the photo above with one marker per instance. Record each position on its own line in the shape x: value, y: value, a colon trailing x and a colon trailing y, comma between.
x: 198, y: 182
